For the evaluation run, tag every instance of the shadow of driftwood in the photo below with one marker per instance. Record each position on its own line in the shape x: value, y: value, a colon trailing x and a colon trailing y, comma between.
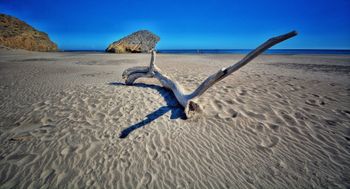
x: 171, y: 105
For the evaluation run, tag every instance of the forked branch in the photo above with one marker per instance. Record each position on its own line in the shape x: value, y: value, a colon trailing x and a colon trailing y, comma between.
x: 188, y: 100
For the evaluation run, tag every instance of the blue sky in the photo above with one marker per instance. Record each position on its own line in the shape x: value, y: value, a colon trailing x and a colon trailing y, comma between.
x: 186, y: 24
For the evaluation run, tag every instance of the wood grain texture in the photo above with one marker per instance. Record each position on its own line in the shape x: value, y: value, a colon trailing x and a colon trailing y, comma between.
x: 188, y: 100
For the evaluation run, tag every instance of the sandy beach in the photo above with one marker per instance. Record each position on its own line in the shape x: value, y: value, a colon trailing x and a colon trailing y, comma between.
x: 282, y: 121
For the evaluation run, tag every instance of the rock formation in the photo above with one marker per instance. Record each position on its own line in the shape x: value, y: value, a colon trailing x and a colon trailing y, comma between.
x: 16, y: 34
x: 137, y: 42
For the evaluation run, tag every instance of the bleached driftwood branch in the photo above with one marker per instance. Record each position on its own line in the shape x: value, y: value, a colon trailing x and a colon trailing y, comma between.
x: 188, y: 100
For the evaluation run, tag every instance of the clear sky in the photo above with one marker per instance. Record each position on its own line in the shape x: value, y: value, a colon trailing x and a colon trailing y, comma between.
x: 186, y: 24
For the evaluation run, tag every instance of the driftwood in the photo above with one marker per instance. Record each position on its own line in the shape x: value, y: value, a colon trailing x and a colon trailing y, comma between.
x: 188, y: 100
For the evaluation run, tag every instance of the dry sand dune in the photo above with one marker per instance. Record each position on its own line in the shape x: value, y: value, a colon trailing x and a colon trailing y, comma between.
x: 280, y: 122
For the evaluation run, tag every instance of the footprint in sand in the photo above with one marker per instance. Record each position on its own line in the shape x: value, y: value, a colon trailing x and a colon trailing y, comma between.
x: 242, y: 92
x: 256, y: 115
x: 274, y: 127
x: 223, y: 108
x: 227, y: 114
x: 145, y: 180
x: 299, y: 116
x: 260, y: 127
x: 313, y: 102
x: 269, y: 144
x: 232, y: 113
x: 289, y: 119
x: 217, y: 104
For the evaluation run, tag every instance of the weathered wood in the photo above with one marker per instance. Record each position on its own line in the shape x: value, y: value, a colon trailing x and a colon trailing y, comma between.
x: 224, y: 72
x: 188, y: 100
x: 138, y: 69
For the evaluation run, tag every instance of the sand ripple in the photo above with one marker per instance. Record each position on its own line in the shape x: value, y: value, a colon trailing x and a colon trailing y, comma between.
x: 260, y: 129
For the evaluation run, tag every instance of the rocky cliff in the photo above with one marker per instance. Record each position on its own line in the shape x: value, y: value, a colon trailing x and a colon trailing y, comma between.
x: 137, y: 42
x: 17, y: 34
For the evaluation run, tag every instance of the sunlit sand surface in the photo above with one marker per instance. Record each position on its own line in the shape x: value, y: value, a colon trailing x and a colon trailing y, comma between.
x: 280, y: 122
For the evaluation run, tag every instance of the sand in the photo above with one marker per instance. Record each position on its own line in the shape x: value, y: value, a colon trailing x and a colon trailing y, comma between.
x: 283, y: 121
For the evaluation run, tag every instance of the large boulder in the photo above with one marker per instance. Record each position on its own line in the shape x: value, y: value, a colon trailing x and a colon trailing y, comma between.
x: 137, y: 42
x: 16, y: 34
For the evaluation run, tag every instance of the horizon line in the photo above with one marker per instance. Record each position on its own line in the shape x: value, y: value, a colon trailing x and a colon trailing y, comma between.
x: 223, y: 49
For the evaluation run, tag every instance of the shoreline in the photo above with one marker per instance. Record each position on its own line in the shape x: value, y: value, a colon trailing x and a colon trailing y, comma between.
x: 238, y: 51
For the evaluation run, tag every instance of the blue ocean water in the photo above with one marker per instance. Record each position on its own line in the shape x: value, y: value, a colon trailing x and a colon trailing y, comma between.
x: 245, y: 51
x: 237, y: 51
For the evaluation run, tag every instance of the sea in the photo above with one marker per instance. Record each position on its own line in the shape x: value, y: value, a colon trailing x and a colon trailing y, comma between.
x: 238, y: 51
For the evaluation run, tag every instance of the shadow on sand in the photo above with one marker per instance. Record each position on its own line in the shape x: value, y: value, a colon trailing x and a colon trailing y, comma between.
x: 171, y: 105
